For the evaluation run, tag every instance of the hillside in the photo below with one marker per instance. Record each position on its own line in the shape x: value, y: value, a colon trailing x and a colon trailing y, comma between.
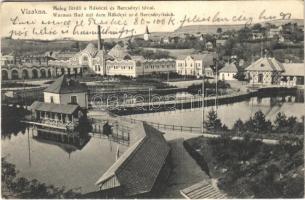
x: 251, y: 169
x: 193, y: 29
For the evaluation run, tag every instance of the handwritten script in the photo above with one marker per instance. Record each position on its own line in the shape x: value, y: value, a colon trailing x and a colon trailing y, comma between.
x: 116, y: 21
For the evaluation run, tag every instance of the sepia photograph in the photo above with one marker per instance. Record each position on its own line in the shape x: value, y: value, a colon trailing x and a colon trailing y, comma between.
x: 152, y: 99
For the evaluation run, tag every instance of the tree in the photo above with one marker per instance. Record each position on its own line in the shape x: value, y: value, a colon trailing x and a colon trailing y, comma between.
x: 213, y: 123
x: 219, y: 30
x: 258, y: 123
x: 280, y: 121
x: 244, y: 34
x: 291, y: 123
x: 238, y: 126
x: 240, y: 75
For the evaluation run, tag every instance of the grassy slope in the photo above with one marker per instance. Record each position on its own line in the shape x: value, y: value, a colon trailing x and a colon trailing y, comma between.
x: 253, y: 169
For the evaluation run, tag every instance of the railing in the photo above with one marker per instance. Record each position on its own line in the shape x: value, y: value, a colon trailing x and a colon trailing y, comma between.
x: 119, y: 134
x: 231, y: 133
x: 67, y: 125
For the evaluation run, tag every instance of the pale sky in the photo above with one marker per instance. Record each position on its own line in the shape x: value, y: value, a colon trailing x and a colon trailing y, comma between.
x: 248, y: 10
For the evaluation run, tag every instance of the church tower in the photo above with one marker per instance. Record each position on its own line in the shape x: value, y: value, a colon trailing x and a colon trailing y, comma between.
x: 146, y: 34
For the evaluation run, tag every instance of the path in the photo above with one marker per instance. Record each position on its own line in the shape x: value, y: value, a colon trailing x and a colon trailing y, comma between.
x: 185, y: 171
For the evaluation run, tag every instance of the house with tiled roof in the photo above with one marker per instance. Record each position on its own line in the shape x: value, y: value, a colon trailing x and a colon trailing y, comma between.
x: 265, y: 70
x: 141, y: 168
x: 228, y: 72
x: 63, y: 106
x: 65, y: 90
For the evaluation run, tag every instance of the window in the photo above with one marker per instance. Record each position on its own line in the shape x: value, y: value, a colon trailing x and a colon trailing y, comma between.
x: 51, y: 99
x: 74, y: 99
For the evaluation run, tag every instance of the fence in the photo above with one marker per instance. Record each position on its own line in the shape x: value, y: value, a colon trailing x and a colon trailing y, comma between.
x: 273, y: 136
x: 120, y: 133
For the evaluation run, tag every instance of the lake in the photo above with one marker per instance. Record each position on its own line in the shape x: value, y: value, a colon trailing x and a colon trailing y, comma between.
x: 73, y: 166
x: 229, y: 113
x: 57, y: 163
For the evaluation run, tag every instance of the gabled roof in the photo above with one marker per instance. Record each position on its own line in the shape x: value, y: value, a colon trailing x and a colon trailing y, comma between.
x: 64, y: 85
x: 118, y: 52
x: 136, y: 171
x: 294, y: 69
x: 90, y: 49
x: 266, y: 64
x: 229, y: 68
x: 55, y: 108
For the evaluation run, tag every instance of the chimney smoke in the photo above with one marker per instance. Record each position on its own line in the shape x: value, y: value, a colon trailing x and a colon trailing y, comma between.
x: 99, y: 42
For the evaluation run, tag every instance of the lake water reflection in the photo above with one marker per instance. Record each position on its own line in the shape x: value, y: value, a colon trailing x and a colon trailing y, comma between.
x: 229, y: 113
x: 60, y: 164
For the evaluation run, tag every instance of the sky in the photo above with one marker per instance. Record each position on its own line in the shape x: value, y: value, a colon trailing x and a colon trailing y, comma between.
x: 18, y: 20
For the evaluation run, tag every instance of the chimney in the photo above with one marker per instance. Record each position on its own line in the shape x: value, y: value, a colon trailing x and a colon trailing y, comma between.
x: 99, y: 42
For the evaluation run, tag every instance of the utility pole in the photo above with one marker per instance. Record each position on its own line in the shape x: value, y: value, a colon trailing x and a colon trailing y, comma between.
x: 203, y: 95
x: 216, y: 88
x: 167, y: 77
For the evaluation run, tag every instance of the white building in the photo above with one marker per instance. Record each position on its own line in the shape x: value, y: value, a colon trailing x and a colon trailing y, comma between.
x: 293, y: 74
x: 158, y: 66
x: 228, y: 72
x: 66, y: 91
x: 265, y: 71
x: 274, y: 32
x: 7, y: 59
x: 193, y: 64
x: 116, y: 62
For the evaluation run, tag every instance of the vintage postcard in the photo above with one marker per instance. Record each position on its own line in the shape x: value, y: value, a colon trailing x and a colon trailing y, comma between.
x: 154, y: 99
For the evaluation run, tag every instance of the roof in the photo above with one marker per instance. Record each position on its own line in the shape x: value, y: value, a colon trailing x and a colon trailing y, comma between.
x: 266, y: 64
x: 294, y: 69
x: 229, y: 68
x: 118, y: 52
x: 135, y: 170
x: 64, y: 85
x: 55, y: 108
x: 208, y: 69
x: 137, y: 58
x: 90, y: 49
x: 202, y: 190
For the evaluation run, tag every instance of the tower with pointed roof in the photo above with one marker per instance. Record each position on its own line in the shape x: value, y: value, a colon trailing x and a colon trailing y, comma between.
x: 146, y: 34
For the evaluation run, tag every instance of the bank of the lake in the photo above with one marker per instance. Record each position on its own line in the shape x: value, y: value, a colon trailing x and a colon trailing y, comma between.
x: 291, y: 105
x: 153, y: 105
